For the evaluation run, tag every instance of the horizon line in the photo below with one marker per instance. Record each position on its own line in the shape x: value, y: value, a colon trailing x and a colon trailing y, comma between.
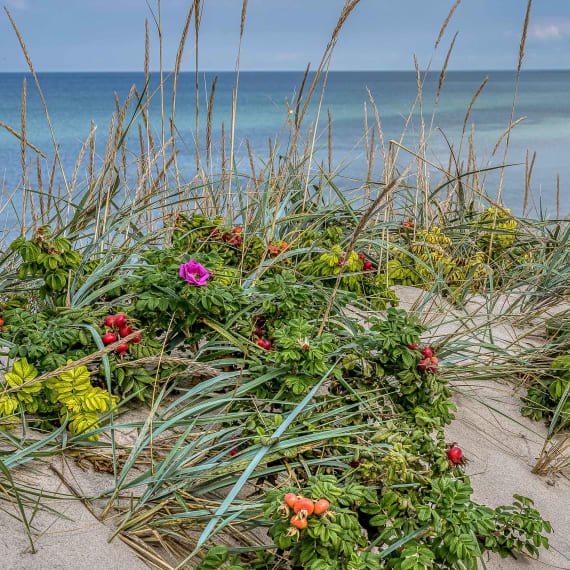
x: 478, y: 70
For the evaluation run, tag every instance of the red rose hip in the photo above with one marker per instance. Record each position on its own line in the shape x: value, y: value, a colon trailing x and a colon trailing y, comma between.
x: 321, y: 506
x: 125, y: 331
x: 291, y: 499
x: 427, y: 352
x: 120, y: 320
x: 109, y: 338
x: 455, y: 455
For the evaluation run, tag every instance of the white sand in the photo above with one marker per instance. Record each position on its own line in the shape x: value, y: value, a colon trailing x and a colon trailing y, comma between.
x: 76, y: 542
x: 502, y: 455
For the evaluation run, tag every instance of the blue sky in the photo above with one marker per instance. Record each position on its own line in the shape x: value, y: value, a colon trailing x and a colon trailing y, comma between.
x: 108, y: 35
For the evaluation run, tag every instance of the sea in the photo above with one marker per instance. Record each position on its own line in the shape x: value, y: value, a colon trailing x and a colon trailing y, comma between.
x: 76, y: 100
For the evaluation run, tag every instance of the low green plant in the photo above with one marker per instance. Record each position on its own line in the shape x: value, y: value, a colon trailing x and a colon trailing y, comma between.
x: 52, y: 260
x: 48, y: 338
x: 69, y: 396
x: 333, y: 539
x: 550, y: 392
x: 439, y: 527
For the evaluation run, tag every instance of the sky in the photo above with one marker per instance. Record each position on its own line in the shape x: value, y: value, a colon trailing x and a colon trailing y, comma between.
x: 108, y: 35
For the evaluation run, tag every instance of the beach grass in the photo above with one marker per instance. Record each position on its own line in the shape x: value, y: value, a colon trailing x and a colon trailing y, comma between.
x: 177, y: 488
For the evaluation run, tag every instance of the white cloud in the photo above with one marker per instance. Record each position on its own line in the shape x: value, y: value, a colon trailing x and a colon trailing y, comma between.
x: 550, y: 31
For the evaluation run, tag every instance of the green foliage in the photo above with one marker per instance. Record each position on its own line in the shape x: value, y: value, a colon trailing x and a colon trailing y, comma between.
x: 49, y: 258
x: 197, y: 232
x: 456, y: 531
x: 450, y: 530
x: 306, y: 356
x: 69, y: 395
x: 219, y: 556
x: 81, y: 401
x: 48, y: 338
x: 283, y: 298
x: 165, y: 302
x: 372, y: 439
x: 548, y: 393
x: 366, y: 284
x: 19, y: 379
x: 481, y: 251
x: 384, y: 354
x: 332, y: 540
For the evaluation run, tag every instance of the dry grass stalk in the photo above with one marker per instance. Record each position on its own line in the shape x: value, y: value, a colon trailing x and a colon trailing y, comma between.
x: 175, y: 74
x: 234, y: 103
x: 519, y: 66
x: 298, y: 103
x: 466, y: 119
x: 444, y: 69
x: 348, y: 7
x: 323, y: 68
x: 329, y: 140
x: 209, y: 125
x: 555, y: 457
x: 251, y: 162
x: 223, y: 153
x: 528, y: 173
x: 104, y: 197
x: 92, y: 158
x: 446, y: 22
x: 18, y: 135
x: 88, y: 143
x: 370, y: 159
x: 418, y: 102
x: 504, y: 134
x: 242, y: 19
x: 380, y: 131
x: 40, y: 190
x: 557, y: 194
x: 25, y: 192
x: 146, y: 57
x: 197, y: 19
x: 50, y: 184
x: 472, y: 102
x: 357, y: 231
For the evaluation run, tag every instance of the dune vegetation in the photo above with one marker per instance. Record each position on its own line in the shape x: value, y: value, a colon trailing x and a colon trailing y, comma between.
x: 229, y: 347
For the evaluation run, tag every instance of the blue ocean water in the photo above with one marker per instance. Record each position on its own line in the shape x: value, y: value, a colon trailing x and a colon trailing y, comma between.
x: 76, y: 99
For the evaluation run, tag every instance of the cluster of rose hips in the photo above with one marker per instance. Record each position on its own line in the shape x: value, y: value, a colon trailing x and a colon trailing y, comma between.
x: 259, y: 334
x: 275, y: 250
x: 120, y: 324
x: 408, y: 224
x: 367, y: 266
x: 1, y: 319
x: 303, y: 509
x: 234, y: 238
x: 455, y: 455
x: 429, y: 362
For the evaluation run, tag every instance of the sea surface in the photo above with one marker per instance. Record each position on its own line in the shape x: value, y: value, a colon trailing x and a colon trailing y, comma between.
x: 74, y: 100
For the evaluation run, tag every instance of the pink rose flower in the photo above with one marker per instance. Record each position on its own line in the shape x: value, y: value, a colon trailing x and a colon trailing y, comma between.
x: 195, y: 273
